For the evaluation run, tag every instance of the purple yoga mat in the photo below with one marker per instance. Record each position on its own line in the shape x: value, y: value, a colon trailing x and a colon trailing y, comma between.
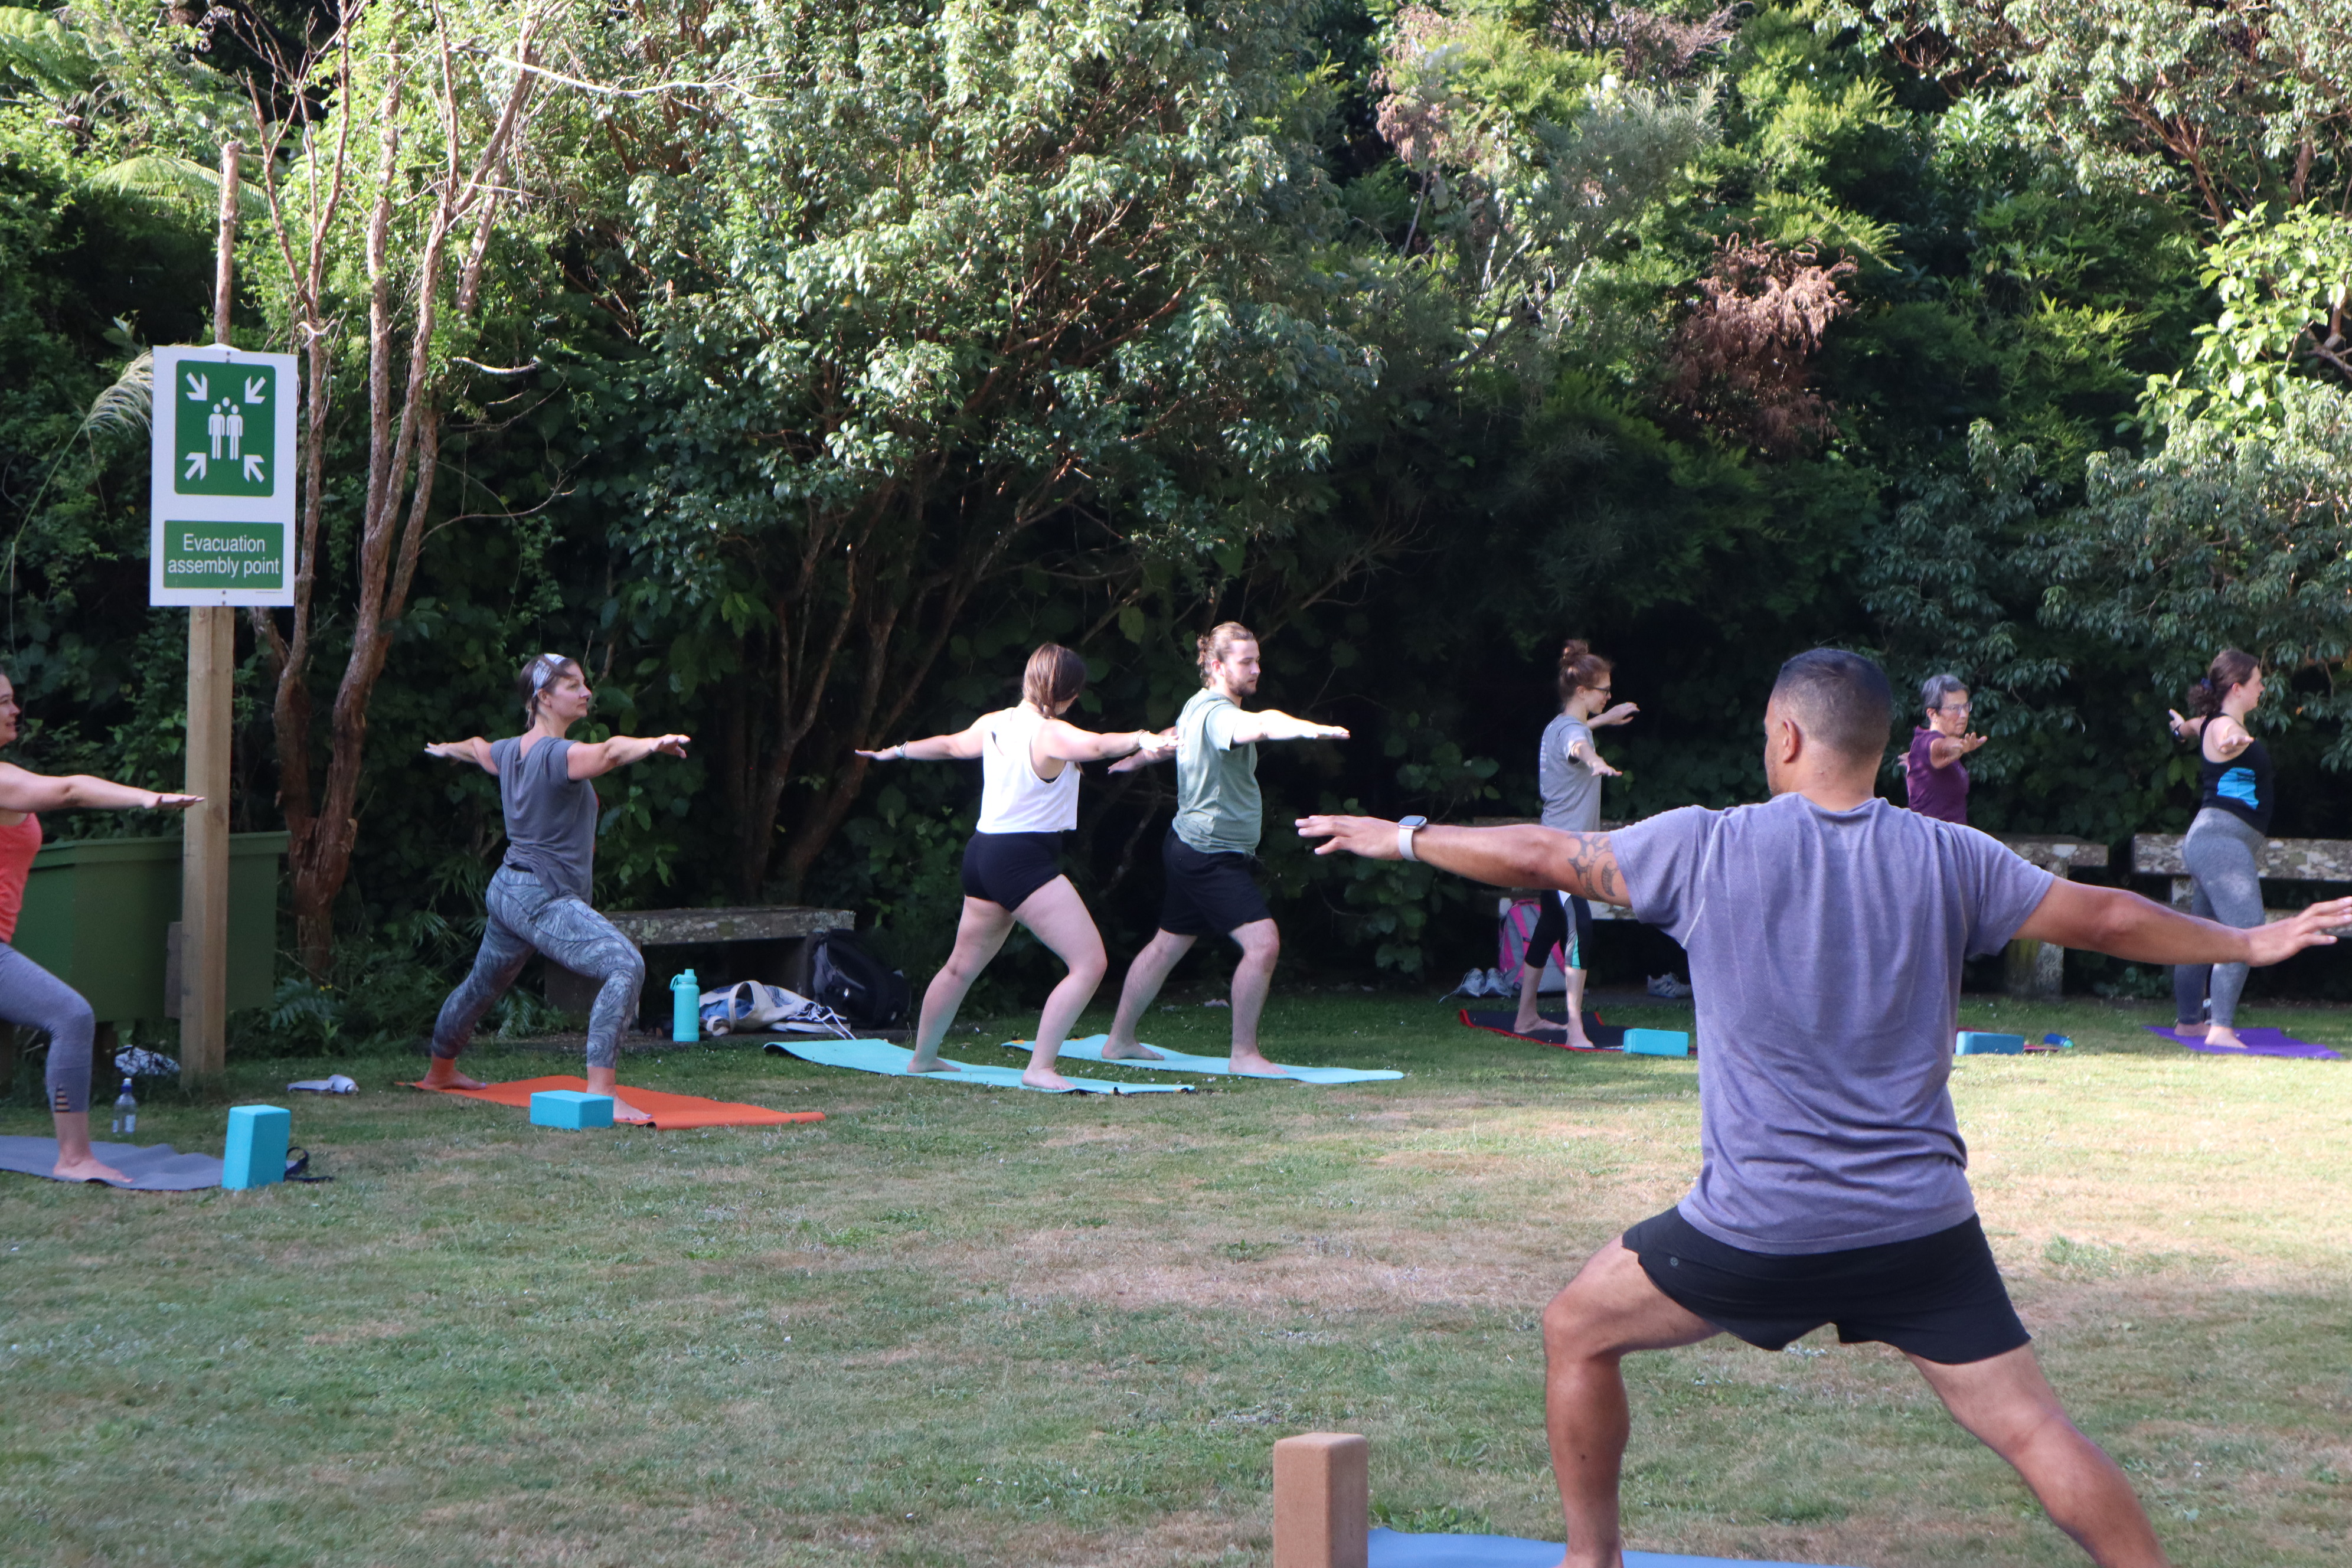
x: 2258, y: 1043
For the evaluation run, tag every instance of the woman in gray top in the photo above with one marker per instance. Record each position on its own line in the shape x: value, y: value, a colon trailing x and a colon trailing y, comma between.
x: 539, y: 897
x: 1568, y: 771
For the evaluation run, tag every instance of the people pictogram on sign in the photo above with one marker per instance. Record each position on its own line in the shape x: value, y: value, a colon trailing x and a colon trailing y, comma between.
x: 216, y: 426
x: 236, y: 424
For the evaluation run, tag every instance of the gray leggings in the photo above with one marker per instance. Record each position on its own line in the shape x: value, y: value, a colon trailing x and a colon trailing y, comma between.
x: 525, y: 918
x: 2219, y: 854
x: 30, y: 995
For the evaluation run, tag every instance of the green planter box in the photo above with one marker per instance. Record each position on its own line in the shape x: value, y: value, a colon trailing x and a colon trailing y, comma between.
x: 99, y: 912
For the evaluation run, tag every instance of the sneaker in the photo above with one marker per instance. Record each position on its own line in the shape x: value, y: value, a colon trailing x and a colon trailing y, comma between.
x: 1666, y: 988
x: 1473, y: 984
x: 1498, y: 985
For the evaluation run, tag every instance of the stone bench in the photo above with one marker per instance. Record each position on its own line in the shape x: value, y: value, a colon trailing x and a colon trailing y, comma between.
x: 2280, y: 860
x: 758, y: 941
x: 2038, y: 969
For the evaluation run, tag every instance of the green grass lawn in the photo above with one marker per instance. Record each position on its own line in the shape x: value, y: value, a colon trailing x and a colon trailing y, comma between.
x: 954, y: 1325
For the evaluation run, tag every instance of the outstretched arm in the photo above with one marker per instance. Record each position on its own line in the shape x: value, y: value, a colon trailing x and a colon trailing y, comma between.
x: 476, y: 751
x: 1274, y: 724
x: 1060, y: 738
x: 2123, y: 925
x: 23, y: 790
x: 1585, y: 752
x: 1579, y: 863
x: 962, y: 747
x: 594, y: 758
x: 1945, y: 749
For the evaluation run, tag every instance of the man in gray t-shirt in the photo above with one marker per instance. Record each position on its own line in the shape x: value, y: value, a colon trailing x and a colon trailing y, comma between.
x: 1211, y: 848
x: 1826, y: 932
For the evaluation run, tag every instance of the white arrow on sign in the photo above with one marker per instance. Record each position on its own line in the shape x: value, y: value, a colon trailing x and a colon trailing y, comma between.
x: 252, y: 469
x: 254, y: 386
x: 196, y: 466
x: 200, y: 388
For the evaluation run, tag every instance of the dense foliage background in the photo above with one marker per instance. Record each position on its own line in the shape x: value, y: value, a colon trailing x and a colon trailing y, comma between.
x: 826, y: 357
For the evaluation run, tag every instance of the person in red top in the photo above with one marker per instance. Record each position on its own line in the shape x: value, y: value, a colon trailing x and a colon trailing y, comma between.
x: 1935, y: 784
x: 29, y: 994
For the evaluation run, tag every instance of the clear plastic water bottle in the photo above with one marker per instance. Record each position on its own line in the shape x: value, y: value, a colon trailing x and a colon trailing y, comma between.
x: 126, y: 1112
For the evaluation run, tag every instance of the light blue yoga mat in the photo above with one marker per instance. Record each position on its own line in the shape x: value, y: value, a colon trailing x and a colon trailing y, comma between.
x: 1170, y: 1060
x: 1392, y: 1549
x: 881, y: 1057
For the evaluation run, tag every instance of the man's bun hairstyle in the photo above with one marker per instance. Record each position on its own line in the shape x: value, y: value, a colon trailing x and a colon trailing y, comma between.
x: 1839, y: 699
x: 1579, y: 666
x: 1217, y: 642
x: 537, y: 675
x: 2229, y: 668
x: 1055, y: 675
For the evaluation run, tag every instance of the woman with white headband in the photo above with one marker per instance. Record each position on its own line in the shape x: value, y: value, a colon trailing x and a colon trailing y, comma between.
x: 539, y: 897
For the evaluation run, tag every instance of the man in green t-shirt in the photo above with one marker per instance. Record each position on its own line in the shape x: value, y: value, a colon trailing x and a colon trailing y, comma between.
x: 1210, y: 845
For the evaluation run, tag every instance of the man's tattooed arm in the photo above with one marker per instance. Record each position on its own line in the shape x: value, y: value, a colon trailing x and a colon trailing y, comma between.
x: 1579, y: 863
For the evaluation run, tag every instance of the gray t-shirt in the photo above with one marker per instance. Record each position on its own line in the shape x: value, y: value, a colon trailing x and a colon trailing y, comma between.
x: 1825, y: 952
x: 551, y: 817
x: 1218, y: 810
x: 1571, y: 791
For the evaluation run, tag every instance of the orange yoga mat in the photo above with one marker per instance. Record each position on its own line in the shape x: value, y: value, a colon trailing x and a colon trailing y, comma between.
x: 668, y: 1110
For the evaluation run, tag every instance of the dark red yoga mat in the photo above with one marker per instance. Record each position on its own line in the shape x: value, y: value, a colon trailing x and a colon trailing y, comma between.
x: 2262, y: 1042
x: 1604, y: 1037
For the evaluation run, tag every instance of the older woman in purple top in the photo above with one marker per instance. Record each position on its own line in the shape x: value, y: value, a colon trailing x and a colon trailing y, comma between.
x: 1936, y: 784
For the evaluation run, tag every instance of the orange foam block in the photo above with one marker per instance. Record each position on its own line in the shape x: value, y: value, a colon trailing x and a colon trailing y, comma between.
x: 670, y: 1112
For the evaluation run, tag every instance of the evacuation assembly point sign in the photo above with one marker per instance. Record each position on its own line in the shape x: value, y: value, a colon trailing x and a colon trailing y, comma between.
x: 221, y: 510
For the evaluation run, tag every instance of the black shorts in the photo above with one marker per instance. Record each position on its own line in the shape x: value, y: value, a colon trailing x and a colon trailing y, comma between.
x: 1208, y: 895
x: 1552, y: 930
x: 1007, y: 867
x: 1936, y: 1297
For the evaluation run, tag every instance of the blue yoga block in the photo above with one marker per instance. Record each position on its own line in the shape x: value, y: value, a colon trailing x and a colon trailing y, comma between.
x: 570, y: 1107
x: 1973, y: 1044
x: 256, y: 1153
x: 1657, y: 1043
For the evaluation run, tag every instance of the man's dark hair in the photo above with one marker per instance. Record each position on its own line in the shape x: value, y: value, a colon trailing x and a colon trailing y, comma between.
x: 1841, y: 700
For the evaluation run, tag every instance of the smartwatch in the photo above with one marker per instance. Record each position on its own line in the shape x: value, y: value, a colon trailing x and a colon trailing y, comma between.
x: 1406, y: 827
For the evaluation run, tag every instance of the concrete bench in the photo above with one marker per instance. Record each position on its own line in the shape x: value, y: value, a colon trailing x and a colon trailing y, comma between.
x: 2038, y: 969
x: 759, y: 941
x: 2280, y: 860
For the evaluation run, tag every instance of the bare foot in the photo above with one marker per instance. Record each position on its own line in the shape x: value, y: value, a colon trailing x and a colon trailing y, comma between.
x: 2221, y: 1037
x: 1045, y: 1078
x: 1133, y: 1052
x: 916, y: 1063
x: 2190, y: 1031
x: 627, y: 1115
x: 1251, y: 1064
x: 444, y: 1074
x: 87, y: 1168
x: 1541, y: 1029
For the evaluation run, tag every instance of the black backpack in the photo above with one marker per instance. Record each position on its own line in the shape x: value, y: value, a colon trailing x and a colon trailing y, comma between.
x: 866, y: 992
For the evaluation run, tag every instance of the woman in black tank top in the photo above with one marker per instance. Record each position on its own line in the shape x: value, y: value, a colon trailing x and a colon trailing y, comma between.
x: 2224, y: 843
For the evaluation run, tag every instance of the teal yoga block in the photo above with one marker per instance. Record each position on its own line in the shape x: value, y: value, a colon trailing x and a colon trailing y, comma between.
x: 1973, y: 1044
x: 1657, y: 1043
x: 255, y: 1153
x: 568, y: 1107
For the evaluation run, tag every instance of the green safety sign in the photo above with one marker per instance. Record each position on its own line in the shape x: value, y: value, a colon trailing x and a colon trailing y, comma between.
x: 221, y: 513
x: 225, y: 428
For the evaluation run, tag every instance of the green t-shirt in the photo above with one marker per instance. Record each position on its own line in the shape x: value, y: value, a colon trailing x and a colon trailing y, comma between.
x: 1218, y: 810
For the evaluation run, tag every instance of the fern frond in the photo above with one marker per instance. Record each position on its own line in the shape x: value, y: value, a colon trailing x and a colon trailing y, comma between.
x: 127, y: 404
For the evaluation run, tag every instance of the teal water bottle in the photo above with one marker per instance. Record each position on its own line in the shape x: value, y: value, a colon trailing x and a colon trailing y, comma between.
x: 685, y: 1008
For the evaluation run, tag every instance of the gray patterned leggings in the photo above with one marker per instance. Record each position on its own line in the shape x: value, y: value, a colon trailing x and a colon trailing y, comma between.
x: 2219, y: 854
x: 525, y: 918
x: 31, y: 995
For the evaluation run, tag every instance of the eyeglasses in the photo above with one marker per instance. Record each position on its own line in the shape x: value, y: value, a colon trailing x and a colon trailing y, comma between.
x: 1955, y: 708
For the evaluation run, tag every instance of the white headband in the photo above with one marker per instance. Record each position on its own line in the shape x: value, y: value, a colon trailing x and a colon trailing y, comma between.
x: 544, y: 669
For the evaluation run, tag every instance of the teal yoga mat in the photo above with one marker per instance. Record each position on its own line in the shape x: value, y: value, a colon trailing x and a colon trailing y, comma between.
x: 878, y: 1056
x: 1090, y: 1050
x: 1393, y: 1548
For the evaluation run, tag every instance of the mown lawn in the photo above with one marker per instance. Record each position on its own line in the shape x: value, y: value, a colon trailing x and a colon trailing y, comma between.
x: 960, y: 1326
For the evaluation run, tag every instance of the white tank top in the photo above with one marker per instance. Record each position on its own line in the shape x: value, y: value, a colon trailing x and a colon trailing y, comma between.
x: 1013, y: 798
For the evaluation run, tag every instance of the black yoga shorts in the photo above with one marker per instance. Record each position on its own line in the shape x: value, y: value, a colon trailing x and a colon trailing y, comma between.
x: 1208, y: 895
x: 1007, y: 867
x: 1552, y: 930
x: 1936, y: 1297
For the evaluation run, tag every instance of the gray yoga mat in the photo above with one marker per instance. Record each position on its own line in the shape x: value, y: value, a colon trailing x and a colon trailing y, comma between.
x: 156, y: 1169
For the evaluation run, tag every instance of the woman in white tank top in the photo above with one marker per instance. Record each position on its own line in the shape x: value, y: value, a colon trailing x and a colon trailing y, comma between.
x: 1029, y: 797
